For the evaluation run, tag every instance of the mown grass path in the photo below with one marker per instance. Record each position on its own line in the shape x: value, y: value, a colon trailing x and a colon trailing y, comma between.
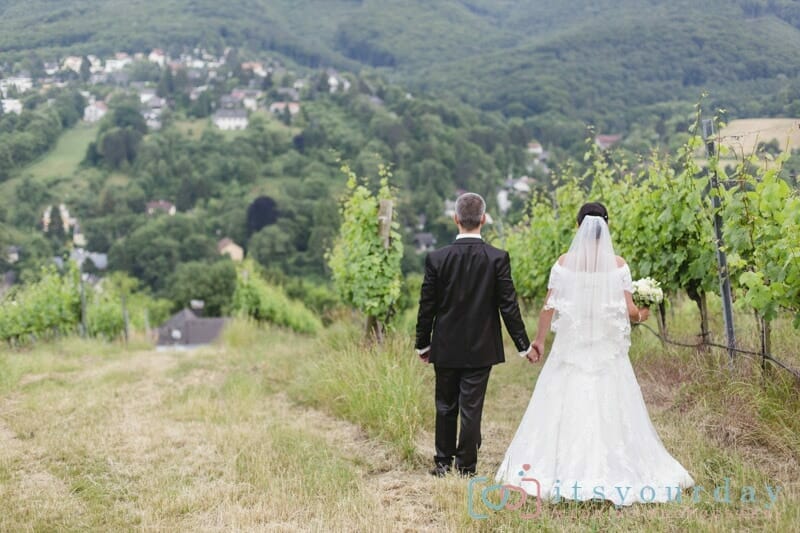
x: 226, y: 439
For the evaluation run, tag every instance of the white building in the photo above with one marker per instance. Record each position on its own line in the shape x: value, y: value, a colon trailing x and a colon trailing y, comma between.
x: 147, y: 94
x: 11, y: 105
x: 158, y: 57
x: 95, y: 111
x: 20, y: 83
x: 280, y: 107
x: 535, y: 149
x: 117, y: 63
x: 95, y: 64
x: 336, y: 82
x: 230, y: 119
x: 72, y: 63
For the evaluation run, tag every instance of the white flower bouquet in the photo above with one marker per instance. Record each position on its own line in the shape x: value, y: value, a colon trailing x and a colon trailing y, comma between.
x: 647, y: 292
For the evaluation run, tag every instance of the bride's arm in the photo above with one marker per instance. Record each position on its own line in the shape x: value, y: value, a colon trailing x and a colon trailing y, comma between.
x: 545, y: 318
x: 636, y: 315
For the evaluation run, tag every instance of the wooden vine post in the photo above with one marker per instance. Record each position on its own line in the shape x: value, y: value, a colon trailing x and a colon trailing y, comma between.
x: 385, y: 214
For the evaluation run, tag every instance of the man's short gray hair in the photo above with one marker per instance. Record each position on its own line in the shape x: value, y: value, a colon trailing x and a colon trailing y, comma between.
x: 470, y: 208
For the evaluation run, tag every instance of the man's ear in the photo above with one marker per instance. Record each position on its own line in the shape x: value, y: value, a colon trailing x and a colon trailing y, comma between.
x: 455, y: 219
x: 483, y: 219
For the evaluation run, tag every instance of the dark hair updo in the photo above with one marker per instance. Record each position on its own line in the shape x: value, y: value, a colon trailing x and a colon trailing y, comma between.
x: 594, y: 209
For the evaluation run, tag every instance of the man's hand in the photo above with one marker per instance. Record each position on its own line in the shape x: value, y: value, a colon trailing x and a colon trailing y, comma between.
x: 425, y: 357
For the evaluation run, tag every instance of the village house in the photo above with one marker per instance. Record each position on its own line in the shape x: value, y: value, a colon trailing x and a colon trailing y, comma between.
x: 118, y: 62
x: 186, y: 330
x: 229, y: 101
x: 247, y: 97
x: 230, y: 119
x: 255, y: 67
x: 80, y: 256
x: 72, y: 63
x: 503, y: 201
x: 158, y: 57
x: 424, y: 242
x: 607, y: 141
x: 197, y: 91
x: 160, y: 206
x: 21, y: 84
x: 535, y: 149
x: 336, y: 82
x: 11, y: 105
x: 280, y: 107
x: 146, y: 94
x: 78, y: 238
x: 521, y: 185
x: 50, y: 68
x: 152, y: 118
x: 95, y: 64
x: 156, y: 102
x: 289, y: 93
x: 120, y: 79
x: 227, y: 247
x: 94, y: 112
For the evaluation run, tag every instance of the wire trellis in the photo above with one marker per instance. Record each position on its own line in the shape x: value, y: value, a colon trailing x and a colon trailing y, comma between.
x: 698, y: 345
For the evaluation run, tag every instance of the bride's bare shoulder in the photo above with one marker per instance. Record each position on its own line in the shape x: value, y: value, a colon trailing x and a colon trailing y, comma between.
x: 621, y: 262
x: 562, y: 259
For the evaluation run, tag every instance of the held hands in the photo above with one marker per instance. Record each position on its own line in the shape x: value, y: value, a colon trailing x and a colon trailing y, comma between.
x: 425, y: 357
x: 537, y: 350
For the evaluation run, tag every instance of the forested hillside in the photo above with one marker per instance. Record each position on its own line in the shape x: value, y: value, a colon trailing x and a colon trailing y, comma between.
x: 480, y: 95
x: 612, y: 63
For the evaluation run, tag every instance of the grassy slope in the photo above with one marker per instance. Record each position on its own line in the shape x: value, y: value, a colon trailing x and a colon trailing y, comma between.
x: 67, y: 154
x: 56, y: 169
x: 276, y: 431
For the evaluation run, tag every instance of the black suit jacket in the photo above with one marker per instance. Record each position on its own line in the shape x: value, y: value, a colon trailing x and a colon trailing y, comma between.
x: 467, y: 287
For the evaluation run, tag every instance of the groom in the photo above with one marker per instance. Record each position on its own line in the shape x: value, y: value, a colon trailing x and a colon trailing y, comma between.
x: 467, y: 287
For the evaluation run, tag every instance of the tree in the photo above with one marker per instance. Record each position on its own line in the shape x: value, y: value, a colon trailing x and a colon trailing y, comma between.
x: 56, y: 227
x: 166, y: 85
x: 86, y: 69
x: 272, y: 247
x: 197, y: 280
x: 262, y: 212
x: 322, y: 83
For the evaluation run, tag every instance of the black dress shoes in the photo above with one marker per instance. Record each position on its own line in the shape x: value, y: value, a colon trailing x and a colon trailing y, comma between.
x: 440, y: 470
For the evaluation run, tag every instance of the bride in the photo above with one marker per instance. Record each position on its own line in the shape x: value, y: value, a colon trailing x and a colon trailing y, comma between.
x: 586, y: 434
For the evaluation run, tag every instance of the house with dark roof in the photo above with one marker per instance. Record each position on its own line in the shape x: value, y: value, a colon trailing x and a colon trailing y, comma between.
x: 187, y: 330
x: 230, y: 119
x: 424, y: 242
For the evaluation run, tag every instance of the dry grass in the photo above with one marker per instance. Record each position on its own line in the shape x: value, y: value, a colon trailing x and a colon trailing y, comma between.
x: 271, y: 431
x: 742, y: 136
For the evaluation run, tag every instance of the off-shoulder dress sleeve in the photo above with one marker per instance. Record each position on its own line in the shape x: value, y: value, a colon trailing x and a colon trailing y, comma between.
x: 627, y: 280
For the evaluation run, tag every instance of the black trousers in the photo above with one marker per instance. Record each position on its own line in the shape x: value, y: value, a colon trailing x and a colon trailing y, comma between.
x: 459, y: 391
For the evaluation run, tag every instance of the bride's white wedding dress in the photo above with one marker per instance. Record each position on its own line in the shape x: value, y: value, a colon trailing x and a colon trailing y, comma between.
x: 586, y: 433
